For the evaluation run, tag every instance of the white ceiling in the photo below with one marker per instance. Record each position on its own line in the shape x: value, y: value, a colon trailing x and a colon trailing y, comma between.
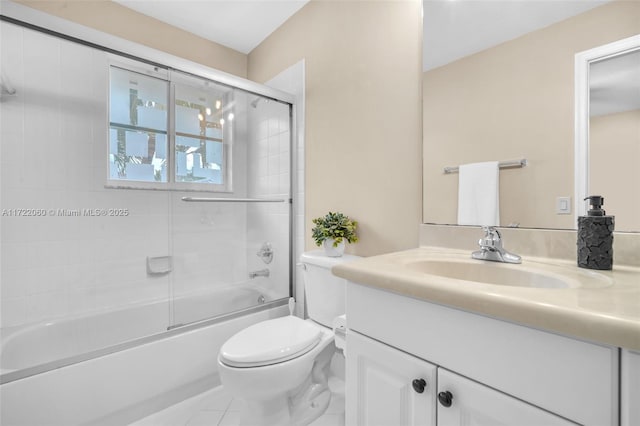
x: 452, y: 28
x: 238, y: 24
x: 457, y: 28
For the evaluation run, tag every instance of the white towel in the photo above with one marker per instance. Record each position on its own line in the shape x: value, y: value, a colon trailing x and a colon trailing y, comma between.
x: 478, y: 202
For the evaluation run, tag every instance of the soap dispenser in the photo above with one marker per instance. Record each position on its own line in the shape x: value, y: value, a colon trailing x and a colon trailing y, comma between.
x: 595, y: 236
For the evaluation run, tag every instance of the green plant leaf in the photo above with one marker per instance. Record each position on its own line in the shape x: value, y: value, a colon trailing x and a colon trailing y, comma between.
x: 336, y: 226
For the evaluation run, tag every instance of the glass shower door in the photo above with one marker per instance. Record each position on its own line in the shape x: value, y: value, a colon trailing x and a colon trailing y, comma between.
x: 231, y: 248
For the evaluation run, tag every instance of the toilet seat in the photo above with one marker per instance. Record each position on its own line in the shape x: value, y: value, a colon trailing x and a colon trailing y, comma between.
x: 270, y: 342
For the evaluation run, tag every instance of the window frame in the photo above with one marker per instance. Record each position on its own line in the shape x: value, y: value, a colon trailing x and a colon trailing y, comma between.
x: 173, y: 78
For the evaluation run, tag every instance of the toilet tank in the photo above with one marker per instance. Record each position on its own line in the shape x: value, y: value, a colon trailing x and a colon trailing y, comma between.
x: 324, y: 292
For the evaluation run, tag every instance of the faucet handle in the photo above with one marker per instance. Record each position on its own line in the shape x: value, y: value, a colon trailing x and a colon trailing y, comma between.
x: 492, y: 238
x: 490, y: 230
x: 491, y: 248
x: 265, y: 253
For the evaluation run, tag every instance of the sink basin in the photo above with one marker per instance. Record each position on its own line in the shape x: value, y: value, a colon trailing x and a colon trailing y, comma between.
x: 509, y: 275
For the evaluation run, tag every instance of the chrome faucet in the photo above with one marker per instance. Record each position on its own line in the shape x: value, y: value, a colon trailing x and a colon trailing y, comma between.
x: 260, y: 273
x: 265, y: 253
x: 491, y: 248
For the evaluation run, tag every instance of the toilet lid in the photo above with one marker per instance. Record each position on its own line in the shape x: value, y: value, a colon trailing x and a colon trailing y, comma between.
x: 270, y: 342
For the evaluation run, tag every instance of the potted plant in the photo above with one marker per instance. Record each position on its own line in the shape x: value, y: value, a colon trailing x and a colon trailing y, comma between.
x: 332, y: 231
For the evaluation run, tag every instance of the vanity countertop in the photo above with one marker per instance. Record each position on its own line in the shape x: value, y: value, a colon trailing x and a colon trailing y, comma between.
x: 607, y: 313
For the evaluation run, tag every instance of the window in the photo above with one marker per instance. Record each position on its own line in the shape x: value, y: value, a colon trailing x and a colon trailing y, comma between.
x: 138, y: 106
x: 167, y: 130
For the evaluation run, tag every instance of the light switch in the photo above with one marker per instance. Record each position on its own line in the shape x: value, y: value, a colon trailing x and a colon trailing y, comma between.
x: 563, y: 205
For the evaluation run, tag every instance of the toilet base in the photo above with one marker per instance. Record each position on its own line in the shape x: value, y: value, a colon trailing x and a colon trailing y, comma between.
x: 278, y: 412
x: 298, y: 407
x: 309, y: 412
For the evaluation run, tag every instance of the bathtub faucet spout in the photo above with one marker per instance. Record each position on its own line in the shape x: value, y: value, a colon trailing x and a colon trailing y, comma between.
x: 260, y: 273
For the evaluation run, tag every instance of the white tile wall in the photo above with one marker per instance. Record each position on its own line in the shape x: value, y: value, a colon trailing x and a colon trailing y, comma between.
x: 53, y: 156
x: 270, y: 162
x: 269, y: 173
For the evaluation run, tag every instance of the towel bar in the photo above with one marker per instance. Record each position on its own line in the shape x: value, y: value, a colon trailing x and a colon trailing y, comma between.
x: 502, y: 164
x: 234, y: 200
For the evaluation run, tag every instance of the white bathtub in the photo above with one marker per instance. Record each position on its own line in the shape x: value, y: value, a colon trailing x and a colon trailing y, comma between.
x: 123, y: 386
x: 66, y: 337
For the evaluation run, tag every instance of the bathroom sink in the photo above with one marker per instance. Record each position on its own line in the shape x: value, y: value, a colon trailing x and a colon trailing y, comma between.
x: 509, y: 275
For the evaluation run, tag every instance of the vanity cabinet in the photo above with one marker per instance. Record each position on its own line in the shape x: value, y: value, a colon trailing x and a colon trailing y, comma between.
x: 630, y: 388
x: 386, y: 386
x: 497, y: 372
x: 468, y: 403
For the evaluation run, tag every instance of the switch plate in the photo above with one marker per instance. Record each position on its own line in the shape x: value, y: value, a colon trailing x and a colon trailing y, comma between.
x: 563, y: 205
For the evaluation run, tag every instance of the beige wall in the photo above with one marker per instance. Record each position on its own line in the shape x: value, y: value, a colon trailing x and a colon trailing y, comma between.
x: 117, y: 20
x: 363, y: 108
x: 514, y: 101
x: 363, y: 136
x: 614, y: 147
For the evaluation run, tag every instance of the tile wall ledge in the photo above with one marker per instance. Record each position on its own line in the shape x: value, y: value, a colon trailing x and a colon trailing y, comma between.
x: 550, y: 243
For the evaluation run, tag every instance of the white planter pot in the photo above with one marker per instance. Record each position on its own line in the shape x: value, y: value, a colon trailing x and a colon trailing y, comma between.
x: 332, y: 251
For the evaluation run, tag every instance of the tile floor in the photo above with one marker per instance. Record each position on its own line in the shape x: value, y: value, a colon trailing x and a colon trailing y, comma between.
x: 217, y: 408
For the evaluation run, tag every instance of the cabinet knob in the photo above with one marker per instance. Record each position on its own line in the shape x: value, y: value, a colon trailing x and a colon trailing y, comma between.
x: 445, y: 398
x: 419, y: 385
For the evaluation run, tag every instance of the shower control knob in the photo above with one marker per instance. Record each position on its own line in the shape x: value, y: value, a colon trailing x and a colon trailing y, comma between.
x: 419, y: 385
x: 445, y: 398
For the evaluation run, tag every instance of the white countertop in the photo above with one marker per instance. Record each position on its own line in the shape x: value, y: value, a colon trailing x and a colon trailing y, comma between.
x: 607, y: 313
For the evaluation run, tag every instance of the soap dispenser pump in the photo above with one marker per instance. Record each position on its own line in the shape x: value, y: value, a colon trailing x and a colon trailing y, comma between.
x: 595, y: 236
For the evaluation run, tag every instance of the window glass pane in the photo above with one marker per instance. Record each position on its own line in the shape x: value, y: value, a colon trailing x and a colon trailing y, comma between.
x: 199, y: 160
x: 138, y: 127
x: 140, y: 156
x: 199, y: 108
x: 138, y: 100
x: 202, y: 136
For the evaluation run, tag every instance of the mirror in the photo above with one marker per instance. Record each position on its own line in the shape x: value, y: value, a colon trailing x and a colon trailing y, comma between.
x: 608, y: 128
x: 515, y: 100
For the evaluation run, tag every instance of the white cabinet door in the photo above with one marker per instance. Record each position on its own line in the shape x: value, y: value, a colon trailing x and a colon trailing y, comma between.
x: 464, y: 402
x: 630, y: 389
x: 386, y: 386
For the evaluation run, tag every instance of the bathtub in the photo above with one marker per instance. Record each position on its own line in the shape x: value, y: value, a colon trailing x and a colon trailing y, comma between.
x: 81, y: 372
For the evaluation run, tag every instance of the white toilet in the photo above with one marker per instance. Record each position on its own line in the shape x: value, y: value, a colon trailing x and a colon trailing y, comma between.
x: 280, y: 367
